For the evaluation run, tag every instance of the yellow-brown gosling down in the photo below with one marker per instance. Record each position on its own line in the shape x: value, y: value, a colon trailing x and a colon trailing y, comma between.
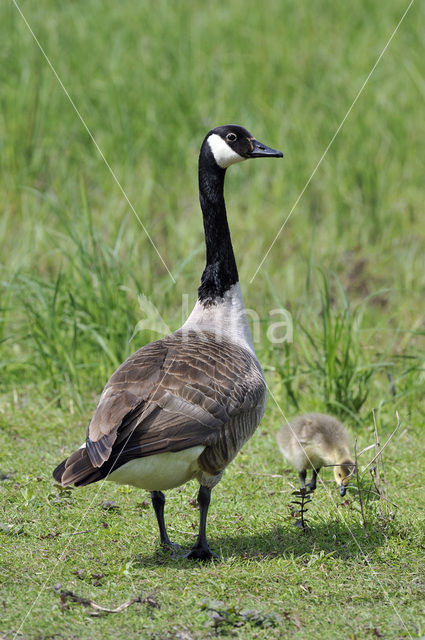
x: 315, y: 440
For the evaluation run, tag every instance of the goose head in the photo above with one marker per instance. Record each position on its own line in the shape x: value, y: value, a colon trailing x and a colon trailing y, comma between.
x: 232, y: 143
x: 343, y: 473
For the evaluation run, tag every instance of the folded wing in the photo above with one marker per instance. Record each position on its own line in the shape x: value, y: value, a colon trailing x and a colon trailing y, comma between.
x: 185, y: 390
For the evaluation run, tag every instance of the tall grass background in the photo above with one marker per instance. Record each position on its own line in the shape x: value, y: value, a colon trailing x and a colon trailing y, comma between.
x: 74, y: 257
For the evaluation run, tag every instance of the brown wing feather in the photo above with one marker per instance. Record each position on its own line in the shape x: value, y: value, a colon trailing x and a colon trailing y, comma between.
x: 125, y: 393
x: 182, y: 391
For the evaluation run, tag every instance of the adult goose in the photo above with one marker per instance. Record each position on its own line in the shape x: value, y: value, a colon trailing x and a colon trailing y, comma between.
x: 182, y: 407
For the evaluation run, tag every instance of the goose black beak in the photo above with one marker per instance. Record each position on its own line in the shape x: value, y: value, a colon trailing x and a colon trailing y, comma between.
x: 260, y: 150
x: 342, y: 489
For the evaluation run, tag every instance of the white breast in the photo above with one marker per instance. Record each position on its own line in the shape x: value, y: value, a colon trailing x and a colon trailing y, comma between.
x: 160, y: 471
x: 226, y: 318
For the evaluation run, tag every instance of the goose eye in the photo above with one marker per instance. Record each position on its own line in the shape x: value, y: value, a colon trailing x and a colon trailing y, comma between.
x: 339, y: 475
x: 231, y: 137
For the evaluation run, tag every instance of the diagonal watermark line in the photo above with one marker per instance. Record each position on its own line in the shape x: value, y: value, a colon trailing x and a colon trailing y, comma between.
x: 384, y: 591
x: 83, y: 517
x: 360, y: 91
x: 92, y: 138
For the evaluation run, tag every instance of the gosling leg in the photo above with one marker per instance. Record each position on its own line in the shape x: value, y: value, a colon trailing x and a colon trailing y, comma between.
x: 302, y: 476
x: 313, y: 481
x: 158, y: 502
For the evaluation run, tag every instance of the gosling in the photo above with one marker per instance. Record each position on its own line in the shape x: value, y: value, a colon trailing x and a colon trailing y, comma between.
x: 313, y: 441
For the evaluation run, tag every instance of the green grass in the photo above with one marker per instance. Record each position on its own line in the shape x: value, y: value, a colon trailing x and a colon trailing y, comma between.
x: 349, y: 266
x: 337, y: 580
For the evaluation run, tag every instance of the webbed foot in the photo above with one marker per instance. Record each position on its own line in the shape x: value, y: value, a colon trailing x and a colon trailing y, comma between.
x: 171, y: 545
x: 202, y: 553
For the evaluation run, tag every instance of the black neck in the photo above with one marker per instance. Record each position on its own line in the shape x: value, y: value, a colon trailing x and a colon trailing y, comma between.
x: 220, y: 271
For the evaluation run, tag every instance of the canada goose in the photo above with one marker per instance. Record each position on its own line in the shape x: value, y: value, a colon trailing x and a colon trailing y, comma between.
x: 183, y: 406
x: 314, y: 440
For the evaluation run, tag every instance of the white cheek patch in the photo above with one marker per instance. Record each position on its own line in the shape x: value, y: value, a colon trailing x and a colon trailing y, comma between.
x: 223, y: 154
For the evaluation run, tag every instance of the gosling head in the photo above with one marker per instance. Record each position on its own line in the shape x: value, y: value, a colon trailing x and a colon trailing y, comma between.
x: 343, y: 473
x: 231, y: 143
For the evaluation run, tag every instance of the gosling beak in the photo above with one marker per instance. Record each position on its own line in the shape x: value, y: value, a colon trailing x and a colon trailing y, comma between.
x: 260, y: 150
x: 342, y: 489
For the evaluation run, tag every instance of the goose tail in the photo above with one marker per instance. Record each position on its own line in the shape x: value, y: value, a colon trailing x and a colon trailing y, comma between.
x: 77, y: 470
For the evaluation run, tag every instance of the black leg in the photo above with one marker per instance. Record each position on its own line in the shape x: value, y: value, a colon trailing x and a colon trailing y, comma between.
x: 201, y: 549
x: 302, y: 476
x: 313, y: 481
x: 158, y: 502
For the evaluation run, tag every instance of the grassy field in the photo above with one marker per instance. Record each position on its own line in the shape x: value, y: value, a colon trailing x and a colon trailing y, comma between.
x: 150, y: 81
